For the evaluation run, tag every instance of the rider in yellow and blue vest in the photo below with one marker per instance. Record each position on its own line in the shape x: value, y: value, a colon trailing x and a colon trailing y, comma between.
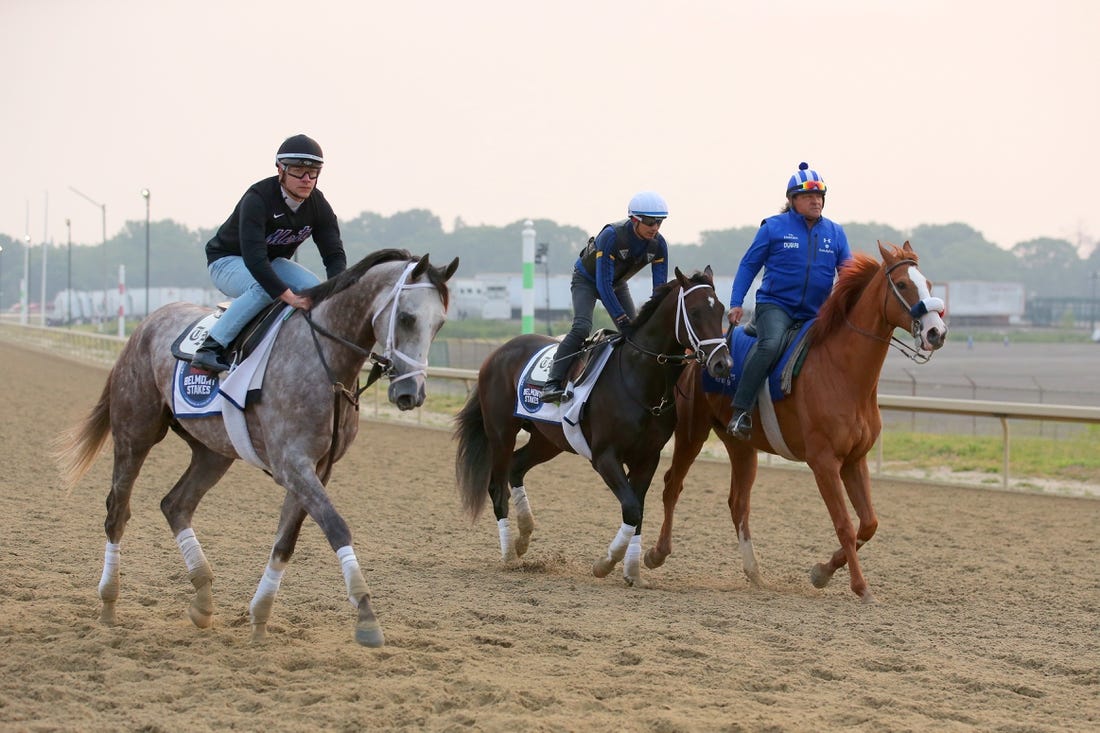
x: 601, y: 273
x: 801, y: 251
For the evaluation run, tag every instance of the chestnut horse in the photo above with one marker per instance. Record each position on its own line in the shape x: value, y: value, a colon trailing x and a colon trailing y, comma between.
x: 628, y: 418
x: 305, y: 422
x: 830, y: 420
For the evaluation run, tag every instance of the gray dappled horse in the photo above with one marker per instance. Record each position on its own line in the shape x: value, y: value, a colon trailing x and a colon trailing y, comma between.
x: 305, y: 422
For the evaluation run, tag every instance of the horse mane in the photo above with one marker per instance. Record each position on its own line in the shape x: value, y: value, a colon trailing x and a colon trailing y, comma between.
x: 855, y: 275
x: 350, y: 276
x: 659, y: 294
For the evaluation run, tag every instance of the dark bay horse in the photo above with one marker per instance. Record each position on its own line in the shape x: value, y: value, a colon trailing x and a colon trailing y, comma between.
x: 630, y: 415
x: 830, y: 420
x: 307, y: 418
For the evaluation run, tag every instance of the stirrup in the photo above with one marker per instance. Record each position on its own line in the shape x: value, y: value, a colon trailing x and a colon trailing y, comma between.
x: 210, y: 356
x: 552, y: 392
x: 740, y: 425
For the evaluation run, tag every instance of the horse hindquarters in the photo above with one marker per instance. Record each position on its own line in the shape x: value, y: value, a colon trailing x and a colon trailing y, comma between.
x: 483, y: 462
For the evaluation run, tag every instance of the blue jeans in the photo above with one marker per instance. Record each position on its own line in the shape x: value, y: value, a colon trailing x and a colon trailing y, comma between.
x: 231, y: 276
x: 585, y: 295
x: 771, y: 323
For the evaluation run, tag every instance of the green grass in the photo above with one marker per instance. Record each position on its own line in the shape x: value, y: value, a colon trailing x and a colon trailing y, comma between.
x: 1073, y: 459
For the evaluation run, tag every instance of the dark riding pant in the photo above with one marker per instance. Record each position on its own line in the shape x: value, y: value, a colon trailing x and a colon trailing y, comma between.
x: 771, y: 323
x: 585, y: 295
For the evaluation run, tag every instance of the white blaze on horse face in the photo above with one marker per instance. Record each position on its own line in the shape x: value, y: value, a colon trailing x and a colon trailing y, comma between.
x: 933, y: 319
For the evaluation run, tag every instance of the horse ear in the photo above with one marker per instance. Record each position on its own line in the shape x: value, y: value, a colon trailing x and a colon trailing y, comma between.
x: 421, y: 267
x: 882, y: 250
x: 709, y: 273
x: 680, y: 277
x: 908, y: 249
x: 450, y: 269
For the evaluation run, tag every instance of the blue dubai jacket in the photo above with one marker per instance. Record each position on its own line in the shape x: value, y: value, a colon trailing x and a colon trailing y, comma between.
x: 800, y: 263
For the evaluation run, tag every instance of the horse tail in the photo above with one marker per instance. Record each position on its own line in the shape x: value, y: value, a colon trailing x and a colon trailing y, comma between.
x: 473, y: 460
x: 77, y: 448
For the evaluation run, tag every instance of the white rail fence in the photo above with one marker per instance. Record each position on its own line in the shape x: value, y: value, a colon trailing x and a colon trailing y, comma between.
x: 105, y: 349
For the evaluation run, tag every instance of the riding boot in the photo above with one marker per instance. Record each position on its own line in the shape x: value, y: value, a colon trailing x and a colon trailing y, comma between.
x: 210, y: 357
x: 740, y: 425
x: 554, y: 390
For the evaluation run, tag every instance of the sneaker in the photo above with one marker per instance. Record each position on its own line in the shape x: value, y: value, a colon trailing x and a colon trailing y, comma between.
x: 210, y: 357
x: 552, y: 392
x: 740, y: 426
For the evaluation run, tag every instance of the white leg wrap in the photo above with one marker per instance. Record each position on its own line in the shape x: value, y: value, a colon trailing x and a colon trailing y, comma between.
x: 519, y: 500
x: 110, y: 566
x: 191, y: 551
x: 269, y: 584
x: 505, y: 532
x: 617, y: 550
x: 632, y: 562
x: 353, y: 575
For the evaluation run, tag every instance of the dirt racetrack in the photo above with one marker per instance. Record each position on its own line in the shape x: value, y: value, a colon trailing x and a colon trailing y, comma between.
x: 988, y: 612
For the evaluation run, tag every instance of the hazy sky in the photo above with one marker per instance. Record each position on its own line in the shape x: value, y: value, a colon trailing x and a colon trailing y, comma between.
x: 914, y: 112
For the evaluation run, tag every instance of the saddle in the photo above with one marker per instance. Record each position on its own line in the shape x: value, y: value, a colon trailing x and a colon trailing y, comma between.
x: 582, y: 366
x: 247, y: 340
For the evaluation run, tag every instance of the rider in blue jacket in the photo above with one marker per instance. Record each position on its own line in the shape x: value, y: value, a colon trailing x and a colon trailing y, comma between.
x: 601, y: 273
x: 801, y: 251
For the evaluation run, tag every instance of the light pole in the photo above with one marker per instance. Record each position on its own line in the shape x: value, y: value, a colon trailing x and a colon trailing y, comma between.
x: 24, y: 284
x: 106, y: 279
x: 69, y: 276
x: 145, y: 195
x: 1092, y: 303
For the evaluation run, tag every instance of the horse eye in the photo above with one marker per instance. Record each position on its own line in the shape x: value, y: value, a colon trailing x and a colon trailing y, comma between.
x: 406, y: 320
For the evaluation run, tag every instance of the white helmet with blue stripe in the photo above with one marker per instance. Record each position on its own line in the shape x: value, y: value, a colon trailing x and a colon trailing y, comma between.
x: 648, y: 203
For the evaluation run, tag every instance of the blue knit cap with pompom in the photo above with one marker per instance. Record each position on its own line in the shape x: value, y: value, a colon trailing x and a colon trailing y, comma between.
x: 805, y: 181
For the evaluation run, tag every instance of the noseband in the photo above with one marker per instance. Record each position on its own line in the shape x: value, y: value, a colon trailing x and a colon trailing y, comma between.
x: 916, y: 311
x: 382, y: 363
x: 694, y: 342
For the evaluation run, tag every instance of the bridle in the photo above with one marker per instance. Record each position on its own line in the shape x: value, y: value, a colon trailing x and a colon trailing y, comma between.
x: 382, y: 363
x: 695, y: 344
x: 916, y: 311
x: 697, y: 352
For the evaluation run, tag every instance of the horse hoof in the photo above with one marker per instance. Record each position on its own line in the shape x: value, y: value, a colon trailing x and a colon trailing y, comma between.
x: 259, y: 633
x: 867, y: 598
x: 369, y: 633
x: 603, y: 567
x: 522, y: 543
x: 200, y: 617
x: 757, y: 581
x: 653, y: 559
x: 637, y: 582
x: 107, y: 614
x: 820, y: 575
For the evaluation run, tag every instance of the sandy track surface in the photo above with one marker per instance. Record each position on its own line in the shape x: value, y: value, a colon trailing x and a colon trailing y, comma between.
x: 988, y: 613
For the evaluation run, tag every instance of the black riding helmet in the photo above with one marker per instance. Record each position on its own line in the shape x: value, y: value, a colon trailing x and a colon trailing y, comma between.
x: 300, y: 150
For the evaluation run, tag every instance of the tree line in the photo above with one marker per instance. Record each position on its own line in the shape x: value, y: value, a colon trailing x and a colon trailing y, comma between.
x: 1047, y: 266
